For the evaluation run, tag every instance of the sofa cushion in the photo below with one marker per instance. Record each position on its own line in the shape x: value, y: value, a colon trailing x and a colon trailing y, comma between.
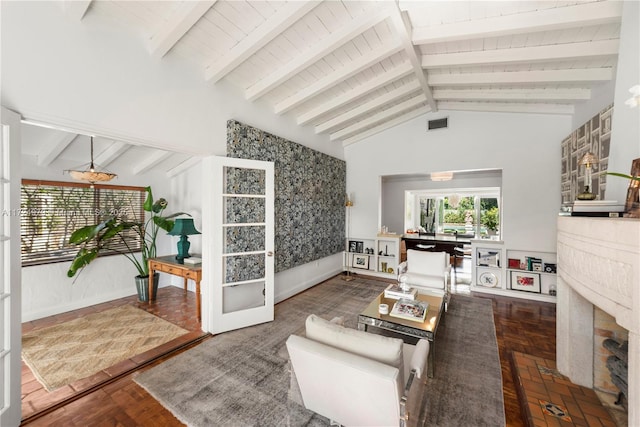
x: 382, y: 349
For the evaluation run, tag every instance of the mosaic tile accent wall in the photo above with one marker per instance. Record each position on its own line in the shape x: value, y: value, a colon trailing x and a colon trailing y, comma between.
x: 594, y: 136
x: 310, y: 190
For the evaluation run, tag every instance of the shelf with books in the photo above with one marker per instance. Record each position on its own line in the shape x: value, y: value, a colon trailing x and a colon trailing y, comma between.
x: 524, y: 274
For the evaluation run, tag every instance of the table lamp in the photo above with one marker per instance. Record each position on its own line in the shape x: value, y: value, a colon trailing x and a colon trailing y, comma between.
x: 588, y: 160
x: 183, y: 227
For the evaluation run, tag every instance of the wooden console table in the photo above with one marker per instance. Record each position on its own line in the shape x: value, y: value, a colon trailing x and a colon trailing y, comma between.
x: 169, y: 264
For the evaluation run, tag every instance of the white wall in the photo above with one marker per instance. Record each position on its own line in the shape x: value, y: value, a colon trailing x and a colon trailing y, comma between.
x: 95, y: 77
x: 625, y: 126
x: 526, y: 147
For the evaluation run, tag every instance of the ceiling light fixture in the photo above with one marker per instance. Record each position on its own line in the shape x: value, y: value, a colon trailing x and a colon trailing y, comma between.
x: 90, y: 172
x: 441, y: 176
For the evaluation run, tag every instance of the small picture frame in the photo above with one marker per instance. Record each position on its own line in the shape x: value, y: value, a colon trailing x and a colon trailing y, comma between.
x: 536, y: 266
x: 356, y: 246
x: 488, y: 258
x: 361, y: 261
x: 549, y: 268
x: 524, y: 281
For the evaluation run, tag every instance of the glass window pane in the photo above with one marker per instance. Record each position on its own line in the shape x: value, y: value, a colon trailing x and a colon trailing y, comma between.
x: 241, y: 210
x: 489, y: 216
x: 244, y: 267
x: 244, y: 239
x: 244, y: 181
x: 243, y: 297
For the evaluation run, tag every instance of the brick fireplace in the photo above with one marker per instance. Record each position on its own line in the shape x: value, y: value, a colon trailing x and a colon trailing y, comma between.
x: 598, y: 295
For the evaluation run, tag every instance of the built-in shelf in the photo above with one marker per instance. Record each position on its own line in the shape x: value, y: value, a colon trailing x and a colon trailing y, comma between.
x: 513, y: 272
x: 378, y: 256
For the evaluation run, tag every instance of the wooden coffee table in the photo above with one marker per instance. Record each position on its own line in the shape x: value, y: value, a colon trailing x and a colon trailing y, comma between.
x: 427, y: 329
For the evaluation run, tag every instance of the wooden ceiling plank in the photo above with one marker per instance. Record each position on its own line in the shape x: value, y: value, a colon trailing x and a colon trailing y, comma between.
x: 336, y: 78
x: 557, y: 52
x: 336, y: 122
x: 177, y: 26
x: 586, y: 75
x: 580, y: 15
x: 115, y: 150
x: 357, y: 92
x: 261, y: 36
x: 402, y: 26
x: 51, y: 151
x: 378, y: 117
x: 316, y: 52
x: 386, y: 125
x: 150, y: 161
x: 76, y: 8
x: 561, y: 95
x: 508, y: 107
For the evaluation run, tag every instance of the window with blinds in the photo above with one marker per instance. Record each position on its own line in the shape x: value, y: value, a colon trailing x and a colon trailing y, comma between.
x: 50, y: 211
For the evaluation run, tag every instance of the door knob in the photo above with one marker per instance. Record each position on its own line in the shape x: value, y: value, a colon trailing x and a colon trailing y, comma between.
x: 270, y: 253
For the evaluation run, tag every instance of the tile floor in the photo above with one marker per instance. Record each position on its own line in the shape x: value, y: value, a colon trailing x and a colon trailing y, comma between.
x: 552, y: 399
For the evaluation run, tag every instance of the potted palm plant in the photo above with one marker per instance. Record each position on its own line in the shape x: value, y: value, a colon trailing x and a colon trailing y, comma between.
x: 113, y: 235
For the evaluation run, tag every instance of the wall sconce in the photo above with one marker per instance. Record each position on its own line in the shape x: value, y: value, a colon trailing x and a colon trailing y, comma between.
x: 183, y: 227
x: 588, y: 160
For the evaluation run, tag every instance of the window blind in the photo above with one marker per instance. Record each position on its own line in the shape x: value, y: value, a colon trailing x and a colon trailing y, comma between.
x: 51, y: 211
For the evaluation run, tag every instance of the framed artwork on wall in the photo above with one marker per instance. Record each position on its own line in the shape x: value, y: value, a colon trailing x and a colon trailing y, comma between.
x: 488, y: 258
x: 361, y: 261
x: 524, y: 281
x: 356, y: 246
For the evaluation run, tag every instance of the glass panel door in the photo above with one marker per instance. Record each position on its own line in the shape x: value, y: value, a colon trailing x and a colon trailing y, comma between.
x: 241, y: 240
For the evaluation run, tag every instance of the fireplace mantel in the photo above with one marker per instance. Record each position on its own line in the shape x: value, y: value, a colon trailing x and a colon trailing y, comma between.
x: 598, y: 265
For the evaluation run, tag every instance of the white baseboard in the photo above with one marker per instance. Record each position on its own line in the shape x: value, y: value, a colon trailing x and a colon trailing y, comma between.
x: 305, y: 284
x: 76, y: 305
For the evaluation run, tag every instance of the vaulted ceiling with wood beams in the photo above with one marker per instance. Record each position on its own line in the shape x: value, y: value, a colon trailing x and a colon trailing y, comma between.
x: 350, y: 69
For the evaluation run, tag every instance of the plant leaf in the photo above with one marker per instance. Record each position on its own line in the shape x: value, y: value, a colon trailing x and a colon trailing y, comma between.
x: 114, y: 230
x: 82, y: 259
x: 624, y: 175
x: 148, y: 203
x: 86, y: 233
x: 165, y: 222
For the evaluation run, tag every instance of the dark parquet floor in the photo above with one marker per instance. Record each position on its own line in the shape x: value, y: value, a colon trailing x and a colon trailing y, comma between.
x: 521, y: 325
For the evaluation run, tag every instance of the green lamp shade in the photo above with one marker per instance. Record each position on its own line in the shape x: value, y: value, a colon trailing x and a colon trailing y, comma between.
x: 183, y: 227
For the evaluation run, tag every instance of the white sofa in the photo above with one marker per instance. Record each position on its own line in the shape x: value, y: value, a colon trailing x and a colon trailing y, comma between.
x: 356, y: 378
x: 427, y: 270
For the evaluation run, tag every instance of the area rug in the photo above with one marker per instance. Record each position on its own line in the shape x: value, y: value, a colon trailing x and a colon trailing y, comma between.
x: 61, y: 354
x: 242, y: 377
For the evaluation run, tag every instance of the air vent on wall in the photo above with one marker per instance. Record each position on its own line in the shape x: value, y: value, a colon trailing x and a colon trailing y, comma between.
x: 438, y: 123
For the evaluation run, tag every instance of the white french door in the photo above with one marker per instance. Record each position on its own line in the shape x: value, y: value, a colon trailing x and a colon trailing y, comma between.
x: 10, y: 318
x: 237, y: 243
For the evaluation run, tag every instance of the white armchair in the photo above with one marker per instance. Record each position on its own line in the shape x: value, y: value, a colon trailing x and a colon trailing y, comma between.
x: 356, y: 378
x: 427, y: 270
